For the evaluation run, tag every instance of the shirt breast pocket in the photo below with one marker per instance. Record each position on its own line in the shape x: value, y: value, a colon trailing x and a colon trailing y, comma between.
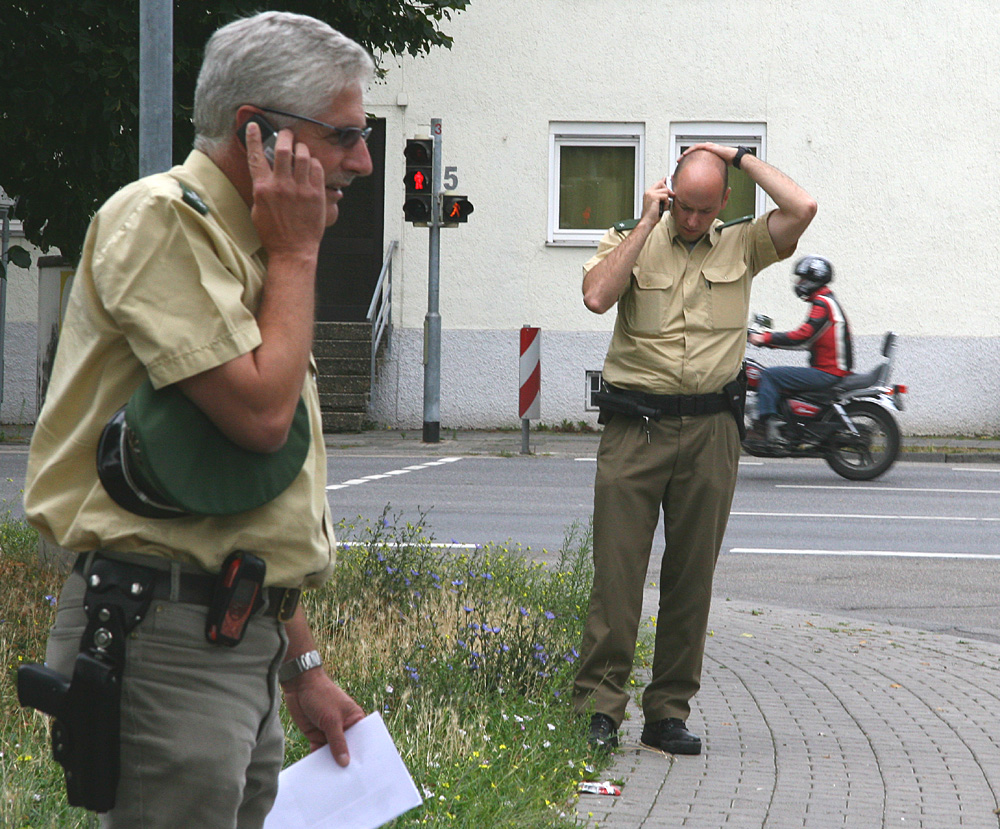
x: 727, y: 295
x: 649, y: 302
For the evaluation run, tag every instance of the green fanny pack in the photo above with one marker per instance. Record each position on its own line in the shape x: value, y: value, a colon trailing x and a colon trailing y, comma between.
x: 160, y: 456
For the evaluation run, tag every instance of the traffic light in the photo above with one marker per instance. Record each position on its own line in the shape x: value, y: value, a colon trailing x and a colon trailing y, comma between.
x: 419, y: 185
x: 455, y: 209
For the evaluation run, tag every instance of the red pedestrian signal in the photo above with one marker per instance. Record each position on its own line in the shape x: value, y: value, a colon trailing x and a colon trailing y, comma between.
x: 417, y: 181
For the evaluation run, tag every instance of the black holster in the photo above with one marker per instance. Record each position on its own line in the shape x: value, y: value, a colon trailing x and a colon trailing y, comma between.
x: 87, y: 708
x: 736, y: 396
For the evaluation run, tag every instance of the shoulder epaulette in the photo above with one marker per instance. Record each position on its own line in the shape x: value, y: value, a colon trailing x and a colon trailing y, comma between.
x: 194, y: 200
x: 738, y: 221
x: 625, y: 224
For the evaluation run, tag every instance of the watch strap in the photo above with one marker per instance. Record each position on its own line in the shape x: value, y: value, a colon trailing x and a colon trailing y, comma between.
x: 740, y: 152
x: 299, y: 665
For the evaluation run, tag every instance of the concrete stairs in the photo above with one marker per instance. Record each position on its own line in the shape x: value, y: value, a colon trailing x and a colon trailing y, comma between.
x: 343, y: 354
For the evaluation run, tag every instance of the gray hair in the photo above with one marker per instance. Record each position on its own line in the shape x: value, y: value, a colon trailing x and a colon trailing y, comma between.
x: 274, y: 59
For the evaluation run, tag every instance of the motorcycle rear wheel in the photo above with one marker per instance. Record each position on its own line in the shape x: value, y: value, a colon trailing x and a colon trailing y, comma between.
x: 877, y: 449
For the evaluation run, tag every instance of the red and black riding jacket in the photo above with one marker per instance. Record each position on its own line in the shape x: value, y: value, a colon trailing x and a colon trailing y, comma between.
x: 825, y: 333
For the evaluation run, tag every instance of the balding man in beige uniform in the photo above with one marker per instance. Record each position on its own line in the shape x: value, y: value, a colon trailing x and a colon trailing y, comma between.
x: 682, y: 284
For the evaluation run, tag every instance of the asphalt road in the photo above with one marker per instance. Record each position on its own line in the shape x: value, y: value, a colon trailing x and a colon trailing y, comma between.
x: 918, y: 547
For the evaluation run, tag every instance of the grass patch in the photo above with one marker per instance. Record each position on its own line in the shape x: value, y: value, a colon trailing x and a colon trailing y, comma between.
x: 568, y: 427
x: 469, y: 656
x: 31, y: 784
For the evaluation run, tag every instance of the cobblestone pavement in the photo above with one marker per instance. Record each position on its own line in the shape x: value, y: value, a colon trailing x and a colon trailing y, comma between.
x: 808, y: 720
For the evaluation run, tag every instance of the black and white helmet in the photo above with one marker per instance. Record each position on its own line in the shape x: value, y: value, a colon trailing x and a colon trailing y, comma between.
x: 813, y: 273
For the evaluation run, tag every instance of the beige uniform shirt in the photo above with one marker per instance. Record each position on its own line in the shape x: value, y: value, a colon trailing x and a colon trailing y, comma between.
x: 681, y: 326
x: 168, y: 290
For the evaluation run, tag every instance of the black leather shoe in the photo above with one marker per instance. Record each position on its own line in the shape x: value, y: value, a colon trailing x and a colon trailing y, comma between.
x: 603, y: 732
x: 670, y: 735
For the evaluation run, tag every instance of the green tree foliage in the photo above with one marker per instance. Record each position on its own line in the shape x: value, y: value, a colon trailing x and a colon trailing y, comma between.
x: 69, y: 101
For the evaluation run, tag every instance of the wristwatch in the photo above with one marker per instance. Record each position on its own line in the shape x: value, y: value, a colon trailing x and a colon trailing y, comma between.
x: 740, y: 152
x: 293, y: 667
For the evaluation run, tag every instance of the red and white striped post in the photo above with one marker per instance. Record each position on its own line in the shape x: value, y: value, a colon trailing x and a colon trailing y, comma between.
x: 530, y: 397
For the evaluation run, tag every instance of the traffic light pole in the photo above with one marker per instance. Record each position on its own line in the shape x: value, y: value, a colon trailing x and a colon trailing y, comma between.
x: 432, y: 321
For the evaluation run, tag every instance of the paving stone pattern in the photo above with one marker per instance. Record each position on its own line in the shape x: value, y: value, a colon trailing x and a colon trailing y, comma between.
x: 808, y: 720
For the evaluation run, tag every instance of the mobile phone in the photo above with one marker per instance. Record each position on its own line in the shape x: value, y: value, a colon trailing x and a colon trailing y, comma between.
x: 665, y: 205
x: 235, y: 598
x: 268, y: 135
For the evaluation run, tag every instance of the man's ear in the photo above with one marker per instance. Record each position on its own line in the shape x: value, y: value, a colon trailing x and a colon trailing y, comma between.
x: 725, y: 198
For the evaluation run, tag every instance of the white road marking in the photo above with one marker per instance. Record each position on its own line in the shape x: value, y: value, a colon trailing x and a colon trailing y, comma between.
x: 742, y: 463
x: 995, y: 470
x: 403, y: 471
x: 890, y: 488
x: 442, y: 545
x: 839, y: 515
x: 861, y: 553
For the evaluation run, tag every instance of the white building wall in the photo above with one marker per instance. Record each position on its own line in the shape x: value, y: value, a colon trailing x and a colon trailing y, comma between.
x: 886, y: 113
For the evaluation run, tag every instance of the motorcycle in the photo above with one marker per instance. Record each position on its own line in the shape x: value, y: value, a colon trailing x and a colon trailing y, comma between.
x: 851, y: 425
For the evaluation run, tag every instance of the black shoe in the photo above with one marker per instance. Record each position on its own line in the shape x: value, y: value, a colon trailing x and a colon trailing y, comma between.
x: 603, y: 732
x: 670, y: 735
x: 757, y: 431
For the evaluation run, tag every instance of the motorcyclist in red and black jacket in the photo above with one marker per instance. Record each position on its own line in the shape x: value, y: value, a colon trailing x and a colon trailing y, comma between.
x: 825, y: 333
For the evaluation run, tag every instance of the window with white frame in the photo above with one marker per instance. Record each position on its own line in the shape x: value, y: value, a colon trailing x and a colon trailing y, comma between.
x: 595, y: 179
x: 746, y: 198
x: 594, y: 380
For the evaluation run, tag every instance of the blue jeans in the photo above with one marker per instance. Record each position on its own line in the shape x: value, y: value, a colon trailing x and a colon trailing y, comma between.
x: 788, y: 378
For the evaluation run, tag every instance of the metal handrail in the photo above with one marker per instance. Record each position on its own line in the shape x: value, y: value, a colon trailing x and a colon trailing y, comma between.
x: 380, y: 310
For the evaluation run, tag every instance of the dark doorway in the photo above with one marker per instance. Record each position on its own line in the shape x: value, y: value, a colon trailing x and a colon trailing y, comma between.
x: 350, y: 257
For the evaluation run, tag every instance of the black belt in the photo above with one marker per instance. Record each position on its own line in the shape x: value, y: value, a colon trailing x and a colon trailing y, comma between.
x: 676, y: 405
x: 198, y: 588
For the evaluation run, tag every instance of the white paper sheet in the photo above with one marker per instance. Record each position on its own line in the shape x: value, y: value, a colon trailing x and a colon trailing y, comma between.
x: 316, y: 793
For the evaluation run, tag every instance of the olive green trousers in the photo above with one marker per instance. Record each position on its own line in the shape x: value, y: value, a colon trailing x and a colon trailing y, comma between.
x: 688, y: 469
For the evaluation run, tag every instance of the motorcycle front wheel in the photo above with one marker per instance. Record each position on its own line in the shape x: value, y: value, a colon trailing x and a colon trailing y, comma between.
x: 872, y: 451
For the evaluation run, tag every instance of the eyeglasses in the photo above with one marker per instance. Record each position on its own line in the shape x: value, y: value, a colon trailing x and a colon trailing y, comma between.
x: 345, y: 137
